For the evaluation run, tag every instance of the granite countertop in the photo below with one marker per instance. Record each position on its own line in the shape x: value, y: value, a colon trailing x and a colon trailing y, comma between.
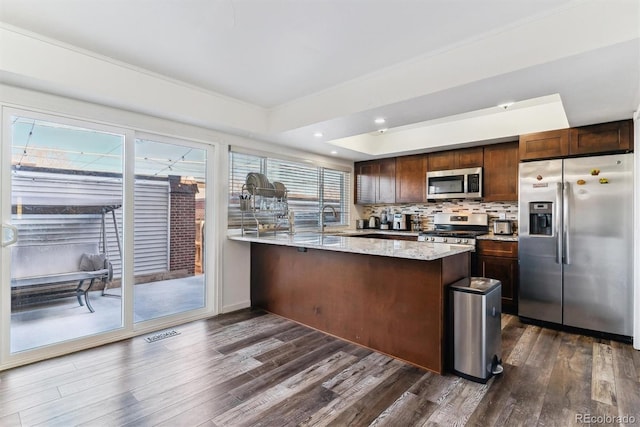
x: 499, y: 237
x: 356, y: 232
x: 488, y: 236
x: 360, y: 245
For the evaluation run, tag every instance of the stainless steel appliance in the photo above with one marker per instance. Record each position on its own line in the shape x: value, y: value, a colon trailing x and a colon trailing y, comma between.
x: 384, y: 218
x: 476, y: 306
x: 502, y: 227
x: 576, y: 242
x: 401, y: 221
x: 456, y: 228
x: 454, y: 184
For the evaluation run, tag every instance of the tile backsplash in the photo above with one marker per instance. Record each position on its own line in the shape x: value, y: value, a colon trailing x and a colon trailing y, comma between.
x: 424, y: 211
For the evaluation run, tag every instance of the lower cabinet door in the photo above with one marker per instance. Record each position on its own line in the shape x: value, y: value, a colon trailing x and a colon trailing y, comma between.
x: 505, y: 270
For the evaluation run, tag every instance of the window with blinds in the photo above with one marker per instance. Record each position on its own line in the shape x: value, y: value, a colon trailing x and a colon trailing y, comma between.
x: 308, y: 188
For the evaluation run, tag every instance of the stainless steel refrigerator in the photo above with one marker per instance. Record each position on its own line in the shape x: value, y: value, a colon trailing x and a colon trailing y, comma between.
x: 575, y: 242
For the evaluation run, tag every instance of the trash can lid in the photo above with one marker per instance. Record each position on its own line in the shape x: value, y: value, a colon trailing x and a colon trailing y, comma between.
x: 480, y: 285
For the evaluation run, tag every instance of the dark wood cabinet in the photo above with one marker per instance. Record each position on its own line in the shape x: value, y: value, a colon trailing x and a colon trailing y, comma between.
x: 612, y: 137
x: 456, y: 159
x: 403, y: 179
x: 411, y: 179
x: 501, y: 172
x: 393, y: 305
x: 365, y: 182
x: 544, y: 145
x: 469, y: 158
x: 602, y: 138
x: 441, y: 160
x: 499, y: 260
x: 387, y: 181
x: 376, y: 181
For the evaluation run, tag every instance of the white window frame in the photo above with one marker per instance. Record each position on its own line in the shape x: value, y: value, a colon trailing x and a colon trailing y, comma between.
x: 307, y: 218
x: 129, y: 328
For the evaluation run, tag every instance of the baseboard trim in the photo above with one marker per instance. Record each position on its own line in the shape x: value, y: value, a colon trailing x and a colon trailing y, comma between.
x: 236, y: 306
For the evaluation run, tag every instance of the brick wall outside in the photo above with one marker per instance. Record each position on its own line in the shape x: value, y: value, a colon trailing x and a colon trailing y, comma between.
x: 182, y: 249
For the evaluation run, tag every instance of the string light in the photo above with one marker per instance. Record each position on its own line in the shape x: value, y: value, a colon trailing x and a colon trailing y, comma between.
x: 24, y: 151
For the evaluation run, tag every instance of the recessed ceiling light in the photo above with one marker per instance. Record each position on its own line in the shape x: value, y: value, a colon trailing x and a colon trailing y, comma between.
x: 380, y: 120
x: 334, y: 152
x: 506, y: 105
x: 382, y: 130
x: 318, y: 135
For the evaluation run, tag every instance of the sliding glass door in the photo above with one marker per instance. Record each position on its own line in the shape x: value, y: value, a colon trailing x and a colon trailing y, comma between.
x: 103, y: 233
x: 169, y: 227
x: 66, y: 192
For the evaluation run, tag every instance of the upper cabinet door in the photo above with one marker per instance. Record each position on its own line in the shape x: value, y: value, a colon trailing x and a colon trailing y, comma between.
x: 544, y: 145
x: 366, y: 182
x: 602, y: 138
x: 613, y: 137
x: 469, y: 158
x: 375, y: 181
x: 411, y: 179
x: 387, y: 181
x: 442, y: 160
x: 501, y: 172
x: 456, y: 159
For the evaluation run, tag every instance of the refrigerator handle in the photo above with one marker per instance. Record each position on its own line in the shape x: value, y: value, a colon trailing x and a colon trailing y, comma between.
x: 565, y: 222
x: 557, y: 223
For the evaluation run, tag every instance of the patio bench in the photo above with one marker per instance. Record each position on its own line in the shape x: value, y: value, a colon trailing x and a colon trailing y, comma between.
x: 37, y: 267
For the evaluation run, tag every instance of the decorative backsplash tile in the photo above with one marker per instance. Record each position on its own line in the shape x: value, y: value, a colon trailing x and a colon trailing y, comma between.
x: 424, y: 212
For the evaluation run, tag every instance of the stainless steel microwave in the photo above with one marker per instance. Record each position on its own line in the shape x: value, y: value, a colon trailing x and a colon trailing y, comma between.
x: 455, y: 184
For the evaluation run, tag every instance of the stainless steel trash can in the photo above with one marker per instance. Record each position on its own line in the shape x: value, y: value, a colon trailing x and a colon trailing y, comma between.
x: 476, y: 328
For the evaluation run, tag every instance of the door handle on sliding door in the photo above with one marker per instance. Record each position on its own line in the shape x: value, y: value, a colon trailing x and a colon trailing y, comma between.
x: 13, y: 232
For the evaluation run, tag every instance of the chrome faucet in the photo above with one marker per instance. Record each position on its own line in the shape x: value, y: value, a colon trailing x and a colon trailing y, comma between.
x: 335, y: 215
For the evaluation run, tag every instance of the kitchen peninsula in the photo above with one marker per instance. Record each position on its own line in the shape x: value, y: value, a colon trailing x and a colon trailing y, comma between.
x: 387, y: 295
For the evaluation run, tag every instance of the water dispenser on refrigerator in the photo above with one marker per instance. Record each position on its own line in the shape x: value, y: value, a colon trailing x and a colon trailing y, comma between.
x: 541, y: 218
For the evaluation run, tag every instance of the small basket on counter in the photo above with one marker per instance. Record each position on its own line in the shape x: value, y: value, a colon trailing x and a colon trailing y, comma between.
x: 245, y: 202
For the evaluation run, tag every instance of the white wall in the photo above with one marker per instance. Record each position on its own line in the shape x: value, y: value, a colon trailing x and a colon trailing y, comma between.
x: 91, y: 87
x: 231, y: 258
x: 236, y: 275
x: 33, y: 61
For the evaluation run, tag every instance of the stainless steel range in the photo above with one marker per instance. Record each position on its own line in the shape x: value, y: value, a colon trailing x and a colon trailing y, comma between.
x: 456, y: 228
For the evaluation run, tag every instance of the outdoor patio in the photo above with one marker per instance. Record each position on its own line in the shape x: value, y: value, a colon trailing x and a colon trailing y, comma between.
x: 61, y: 320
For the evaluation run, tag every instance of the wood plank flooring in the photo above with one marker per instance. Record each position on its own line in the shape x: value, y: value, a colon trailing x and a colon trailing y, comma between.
x: 251, y: 368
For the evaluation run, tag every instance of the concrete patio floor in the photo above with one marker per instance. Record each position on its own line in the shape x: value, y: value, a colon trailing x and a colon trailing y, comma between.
x: 61, y: 320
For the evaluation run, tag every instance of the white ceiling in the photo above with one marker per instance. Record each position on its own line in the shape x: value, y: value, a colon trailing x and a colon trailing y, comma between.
x: 332, y: 66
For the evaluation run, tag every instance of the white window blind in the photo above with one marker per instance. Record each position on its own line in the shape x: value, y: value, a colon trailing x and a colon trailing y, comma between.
x: 309, y: 188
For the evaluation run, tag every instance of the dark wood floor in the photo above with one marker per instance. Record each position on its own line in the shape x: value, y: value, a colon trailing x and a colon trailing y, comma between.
x: 253, y: 368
